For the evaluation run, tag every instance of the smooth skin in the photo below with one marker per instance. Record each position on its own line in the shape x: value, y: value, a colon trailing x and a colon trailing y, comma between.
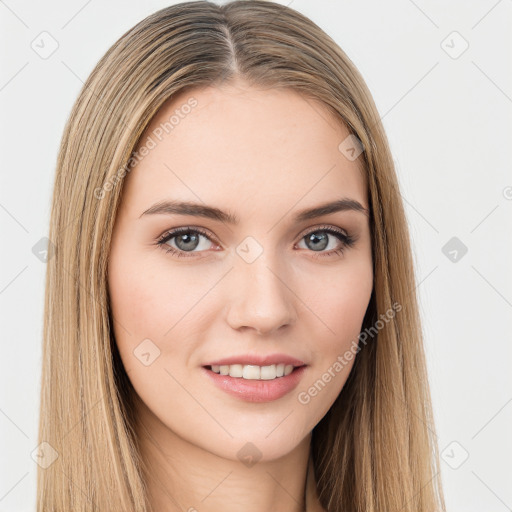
x: 262, y: 155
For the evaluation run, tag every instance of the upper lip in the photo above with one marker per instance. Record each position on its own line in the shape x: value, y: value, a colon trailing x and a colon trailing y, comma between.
x: 257, y: 360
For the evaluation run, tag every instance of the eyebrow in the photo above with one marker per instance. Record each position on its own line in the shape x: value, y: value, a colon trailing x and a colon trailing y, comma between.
x: 211, y: 212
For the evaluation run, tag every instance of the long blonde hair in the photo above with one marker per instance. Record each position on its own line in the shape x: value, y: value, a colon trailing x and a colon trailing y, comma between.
x: 375, y: 450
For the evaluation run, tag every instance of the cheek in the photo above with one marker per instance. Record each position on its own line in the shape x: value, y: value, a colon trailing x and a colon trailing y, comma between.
x: 341, y: 309
x: 155, y: 302
x: 135, y: 301
x: 141, y: 303
x: 345, y: 309
x: 341, y: 303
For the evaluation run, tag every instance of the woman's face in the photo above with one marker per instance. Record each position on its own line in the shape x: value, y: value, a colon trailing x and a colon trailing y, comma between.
x: 247, y: 278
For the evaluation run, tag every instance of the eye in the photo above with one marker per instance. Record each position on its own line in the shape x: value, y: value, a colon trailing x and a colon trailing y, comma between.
x: 318, y: 240
x: 187, y: 239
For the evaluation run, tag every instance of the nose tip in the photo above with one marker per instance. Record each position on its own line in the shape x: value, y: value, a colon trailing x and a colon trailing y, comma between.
x: 262, y: 301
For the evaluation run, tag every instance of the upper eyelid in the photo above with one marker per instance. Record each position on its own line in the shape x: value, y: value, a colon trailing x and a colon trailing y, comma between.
x: 172, y: 233
x: 323, y: 227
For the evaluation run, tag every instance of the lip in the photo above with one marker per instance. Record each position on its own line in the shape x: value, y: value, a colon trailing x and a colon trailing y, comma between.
x: 257, y: 390
x: 257, y: 360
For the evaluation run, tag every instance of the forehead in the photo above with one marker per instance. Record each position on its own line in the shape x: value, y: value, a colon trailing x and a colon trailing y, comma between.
x: 246, y: 146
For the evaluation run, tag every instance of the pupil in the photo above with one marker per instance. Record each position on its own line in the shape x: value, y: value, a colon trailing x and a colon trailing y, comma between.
x: 319, y: 241
x: 191, y: 239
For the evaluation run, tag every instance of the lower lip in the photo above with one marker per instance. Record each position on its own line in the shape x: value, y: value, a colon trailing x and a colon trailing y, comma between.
x: 257, y: 390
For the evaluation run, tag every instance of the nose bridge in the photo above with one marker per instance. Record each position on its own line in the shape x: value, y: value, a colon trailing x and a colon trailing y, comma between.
x: 262, y: 299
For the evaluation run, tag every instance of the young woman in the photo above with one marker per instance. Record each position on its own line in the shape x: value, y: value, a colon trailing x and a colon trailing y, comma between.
x: 231, y: 320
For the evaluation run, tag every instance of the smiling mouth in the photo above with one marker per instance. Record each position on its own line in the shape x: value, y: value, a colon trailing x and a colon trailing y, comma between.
x: 254, y: 372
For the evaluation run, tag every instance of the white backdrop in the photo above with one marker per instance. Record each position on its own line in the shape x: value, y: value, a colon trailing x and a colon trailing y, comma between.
x: 440, y: 74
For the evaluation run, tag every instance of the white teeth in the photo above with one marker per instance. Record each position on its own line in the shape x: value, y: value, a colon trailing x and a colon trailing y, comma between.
x: 288, y: 369
x: 253, y: 372
x: 268, y: 372
x: 235, y: 370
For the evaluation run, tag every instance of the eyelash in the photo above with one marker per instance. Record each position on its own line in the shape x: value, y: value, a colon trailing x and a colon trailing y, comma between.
x: 346, y: 240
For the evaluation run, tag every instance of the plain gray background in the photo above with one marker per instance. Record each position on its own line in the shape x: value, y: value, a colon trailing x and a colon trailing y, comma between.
x: 440, y: 74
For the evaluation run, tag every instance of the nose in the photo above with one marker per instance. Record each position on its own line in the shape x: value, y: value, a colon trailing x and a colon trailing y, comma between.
x: 260, y: 298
